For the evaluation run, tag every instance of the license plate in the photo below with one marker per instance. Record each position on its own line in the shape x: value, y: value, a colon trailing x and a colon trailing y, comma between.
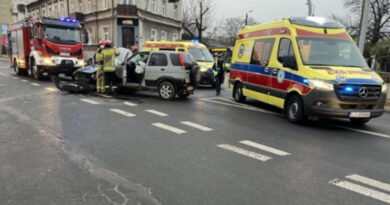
x: 359, y: 114
x: 190, y: 88
x: 64, y: 54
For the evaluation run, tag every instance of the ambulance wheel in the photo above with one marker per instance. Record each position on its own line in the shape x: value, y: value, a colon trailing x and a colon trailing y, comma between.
x: 238, y: 94
x: 359, y: 122
x: 294, y: 109
x: 35, y: 72
x: 167, y: 90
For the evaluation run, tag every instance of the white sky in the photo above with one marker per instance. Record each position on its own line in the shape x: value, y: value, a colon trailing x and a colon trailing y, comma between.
x: 269, y: 10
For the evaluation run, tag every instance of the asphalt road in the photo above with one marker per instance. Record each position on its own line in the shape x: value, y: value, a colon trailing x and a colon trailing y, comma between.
x: 59, y: 148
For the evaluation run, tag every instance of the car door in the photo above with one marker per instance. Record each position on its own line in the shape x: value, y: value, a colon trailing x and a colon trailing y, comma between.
x: 156, y: 68
x: 282, y: 76
x: 259, y: 72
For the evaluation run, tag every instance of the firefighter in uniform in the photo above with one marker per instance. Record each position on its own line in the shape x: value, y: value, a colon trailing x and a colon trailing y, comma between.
x: 99, y: 72
x: 108, y: 64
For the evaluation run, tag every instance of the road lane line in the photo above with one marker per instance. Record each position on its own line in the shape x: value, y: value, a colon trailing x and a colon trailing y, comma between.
x: 365, y: 132
x: 169, y: 128
x: 245, y: 152
x: 122, y: 112
x: 15, y: 78
x: 242, y: 106
x: 105, y: 96
x: 130, y: 104
x: 35, y: 84
x: 90, y: 101
x: 158, y: 113
x: 370, y: 182
x: 50, y: 89
x: 197, y: 126
x: 362, y: 190
x: 265, y: 148
x: 25, y: 81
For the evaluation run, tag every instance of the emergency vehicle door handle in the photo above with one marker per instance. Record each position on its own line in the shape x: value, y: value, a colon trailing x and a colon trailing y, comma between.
x: 266, y: 69
x: 162, y: 69
x: 275, y: 70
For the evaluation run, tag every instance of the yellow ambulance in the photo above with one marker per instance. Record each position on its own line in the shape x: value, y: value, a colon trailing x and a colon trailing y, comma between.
x: 309, y: 67
x: 198, y: 50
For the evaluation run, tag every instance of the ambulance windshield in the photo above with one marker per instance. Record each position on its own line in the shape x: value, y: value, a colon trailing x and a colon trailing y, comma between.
x: 201, y: 54
x: 330, y: 52
x: 63, y: 35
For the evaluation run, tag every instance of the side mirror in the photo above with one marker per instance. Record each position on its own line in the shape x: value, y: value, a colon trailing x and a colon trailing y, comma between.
x: 289, y: 62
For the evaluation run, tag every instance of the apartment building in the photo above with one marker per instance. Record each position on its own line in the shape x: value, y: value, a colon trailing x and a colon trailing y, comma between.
x: 124, y: 22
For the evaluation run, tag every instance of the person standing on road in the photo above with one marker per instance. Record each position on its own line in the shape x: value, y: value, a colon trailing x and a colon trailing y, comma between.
x: 219, y: 73
x: 99, y: 72
x: 108, y: 64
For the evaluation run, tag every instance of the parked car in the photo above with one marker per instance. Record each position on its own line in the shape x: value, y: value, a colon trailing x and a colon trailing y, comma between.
x: 171, y: 73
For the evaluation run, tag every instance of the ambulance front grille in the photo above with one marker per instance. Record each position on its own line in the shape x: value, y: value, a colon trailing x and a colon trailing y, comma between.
x: 347, y: 92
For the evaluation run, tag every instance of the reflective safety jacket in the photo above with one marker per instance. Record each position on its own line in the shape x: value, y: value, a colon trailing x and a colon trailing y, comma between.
x: 98, y: 56
x: 108, y: 59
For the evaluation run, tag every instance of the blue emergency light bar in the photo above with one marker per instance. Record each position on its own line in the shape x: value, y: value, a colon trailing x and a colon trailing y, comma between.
x: 69, y: 20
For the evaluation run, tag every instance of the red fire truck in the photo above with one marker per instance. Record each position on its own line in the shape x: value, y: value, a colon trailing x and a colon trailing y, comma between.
x: 46, y: 45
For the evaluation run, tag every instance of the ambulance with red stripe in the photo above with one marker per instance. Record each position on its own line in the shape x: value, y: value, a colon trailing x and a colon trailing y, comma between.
x: 310, y: 67
x: 198, y: 50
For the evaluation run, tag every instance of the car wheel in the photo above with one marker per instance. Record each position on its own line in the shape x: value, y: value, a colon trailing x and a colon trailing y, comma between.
x: 36, y: 73
x: 294, y: 109
x: 166, y: 90
x: 238, y: 94
x: 359, y: 122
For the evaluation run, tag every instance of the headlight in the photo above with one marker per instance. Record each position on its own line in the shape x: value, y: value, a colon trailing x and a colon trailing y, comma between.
x: 384, y: 88
x: 320, y: 84
x: 80, y: 62
x: 46, y: 61
x: 203, y: 69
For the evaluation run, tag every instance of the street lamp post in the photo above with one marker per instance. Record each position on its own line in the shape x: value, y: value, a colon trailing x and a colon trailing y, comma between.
x: 246, y: 16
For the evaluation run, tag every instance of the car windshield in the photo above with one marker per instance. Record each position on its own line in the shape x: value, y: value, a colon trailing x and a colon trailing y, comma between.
x: 330, y: 52
x: 64, y: 35
x: 201, y: 54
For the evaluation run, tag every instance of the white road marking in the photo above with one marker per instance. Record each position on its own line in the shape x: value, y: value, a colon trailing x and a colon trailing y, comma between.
x: 105, y: 96
x: 265, y: 148
x: 15, y: 78
x: 50, y: 89
x: 197, y: 126
x: 35, y: 84
x: 90, y: 101
x: 244, y: 152
x: 238, y: 105
x: 169, y: 128
x: 25, y: 81
x: 362, y: 190
x: 155, y: 112
x: 366, y: 132
x: 370, y: 182
x: 130, y: 104
x: 122, y: 112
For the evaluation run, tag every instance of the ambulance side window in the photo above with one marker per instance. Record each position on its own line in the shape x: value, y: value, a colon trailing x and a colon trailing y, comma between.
x: 285, y: 49
x: 262, y: 51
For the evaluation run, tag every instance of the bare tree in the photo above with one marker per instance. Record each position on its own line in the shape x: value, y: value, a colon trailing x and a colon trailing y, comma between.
x: 380, y: 17
x: 197, y: 17
x: 233, y: 25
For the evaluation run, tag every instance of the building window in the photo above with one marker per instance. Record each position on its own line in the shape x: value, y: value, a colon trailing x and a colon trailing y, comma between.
x: 63, y: 9
x: 89, y: 6
x: 176, y: 11
x: 43, y: 12
x: 106, y: 33
x: 154, y: 6
x: 175, y: 37
x: 163, y: 35
x: 80, y: 5
x: 71, y: 6
x: 104, y: 4
x: 50, y: 10
x: 164, y: 7
x: 153, y: 35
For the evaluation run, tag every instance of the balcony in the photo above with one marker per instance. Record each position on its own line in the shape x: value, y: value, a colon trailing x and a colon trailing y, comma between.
x: 127, y: 10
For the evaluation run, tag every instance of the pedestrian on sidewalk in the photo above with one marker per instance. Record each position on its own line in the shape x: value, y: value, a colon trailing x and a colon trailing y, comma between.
x: 219, y: 74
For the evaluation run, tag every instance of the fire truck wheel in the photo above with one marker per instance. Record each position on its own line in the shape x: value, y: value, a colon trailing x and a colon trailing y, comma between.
x: 18, y: 71
x: 36, y: 73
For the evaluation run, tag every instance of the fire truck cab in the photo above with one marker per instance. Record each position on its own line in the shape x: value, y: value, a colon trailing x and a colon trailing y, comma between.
x: 46, y: 45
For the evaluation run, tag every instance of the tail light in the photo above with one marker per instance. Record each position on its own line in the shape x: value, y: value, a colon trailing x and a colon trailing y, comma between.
x: 181, y: 59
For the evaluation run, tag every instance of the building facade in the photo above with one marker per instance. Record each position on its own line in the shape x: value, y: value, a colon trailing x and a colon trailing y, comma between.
x: 124, y: 22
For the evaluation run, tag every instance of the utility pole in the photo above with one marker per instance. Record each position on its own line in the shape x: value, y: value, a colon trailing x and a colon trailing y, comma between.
x: 246, y: 16
x: 310, y: 6
x: 364, y: 20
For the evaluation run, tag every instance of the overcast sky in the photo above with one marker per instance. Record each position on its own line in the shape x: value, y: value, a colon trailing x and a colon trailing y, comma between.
x: 269, y: 10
